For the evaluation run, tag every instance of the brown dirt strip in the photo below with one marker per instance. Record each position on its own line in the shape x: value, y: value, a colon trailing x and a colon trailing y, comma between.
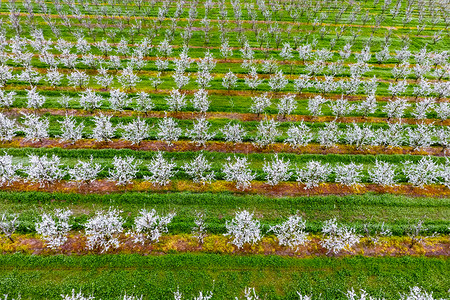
x: 76, y: 245
x: 285, y: 189
x: 223, y: 147
x: 243, y: 117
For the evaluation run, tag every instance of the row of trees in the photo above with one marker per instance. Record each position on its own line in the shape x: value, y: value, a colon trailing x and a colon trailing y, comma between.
x: 47, y: 170
x: 249, y: 293
x: 36, y: 128
x: 104, y: 229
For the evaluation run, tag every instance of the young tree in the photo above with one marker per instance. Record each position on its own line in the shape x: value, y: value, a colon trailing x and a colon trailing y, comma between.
x: 260, y: 103
x: 199, y: 133
x: 103, y: 78
x: 70, y: 131
x: 34, y: 99
x: 144, y: 102
x: 341, y: 107
x: 103, y: 230
x: 85, y: 171
x: 161, y: 169
x: 128, y: 79
x: 168, y: 130
x: 118, y: 99
x: 252, y: 80
x: 6, y: 99
x: 200, y: 101
x: 368, y: 106
x: 44, y: 170
x: 396, y: 108
x: 286, y: 105
x: 8, y: 128
x: 124, y: 169
x: 359, y: 136
x: 291, y: 233
x: 200, y: 170
x: 243, y: 229
x: 315, y: 105
x: 148, y: 226
x: 90, y: 100
x: 313, y: 173
x: 176, y: 101
x: 277, y: 170
x: 420, y: 137
x: 349, y: 175
x: 234, y: 133
x: 35, y: 128
x: 9, y: 225
x: 337, y: 238
x: 426, y: 171
x: 239, y: 172
x: 299, y: 135
x: 383, y: 173
x: 302, y: 82
x: 267, y: 132
x: 136, y: 131
x: 54, y: 227
x: 278, y: 81
x: 8, y: 170
x: 199, y: 230
x: 78, y: 79
x: 229, y: 80
x: 103, y: 130
x: 329, y: 135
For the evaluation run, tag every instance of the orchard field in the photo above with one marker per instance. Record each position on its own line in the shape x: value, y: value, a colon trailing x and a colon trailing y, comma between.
x: 225, y: 149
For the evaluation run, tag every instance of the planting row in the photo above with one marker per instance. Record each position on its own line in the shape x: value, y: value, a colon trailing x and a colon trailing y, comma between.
x: 48, y: 170
x: 101, y: 128
x: 105, y: 230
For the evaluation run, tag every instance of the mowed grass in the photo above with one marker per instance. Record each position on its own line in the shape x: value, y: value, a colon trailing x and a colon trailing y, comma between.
x: 109, y: 277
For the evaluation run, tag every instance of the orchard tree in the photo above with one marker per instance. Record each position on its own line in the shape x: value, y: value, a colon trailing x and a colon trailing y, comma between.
x: 234, y: 133
x: 349, y: 175
x: 103, y: 130
x: 200, y: 101
x: 329, y: 135
x: 286, y: 105
x: 135, y: 131
x: 299, y: 135
x: 338, y: 237
x: 383, y: 173
x: 144, y: 102
x: 162, y: 170
x: 278, y: 170
x: 229, y: 80
x: 260, y: 103
x: 267, y: 132
x: 34, y: 127
x: 8, y: 128
x: 278, y: 81
x: 313, y: 174
x: 425, y: 171
x: 9, y: 225
x: 243, y: 229
x: 6, y: 99
x: 291, y: 233
x: 90, y: 100
x: 149, y: 226
x: 70, y: 131
x: 103, y: 229
x: 85, y: 171
x: 44, y: 170
x: 55, y: 227
x: 34, y: 99
x: 239, y: 172
x: 78, y: 79
x: 200, y: 170
x: 168, y: 130
x: 128, y: 79
x: 124, y: 169
x: 8, y: 170
x: 199, y: 133
x: 118, y: 99
x: 176, y: 100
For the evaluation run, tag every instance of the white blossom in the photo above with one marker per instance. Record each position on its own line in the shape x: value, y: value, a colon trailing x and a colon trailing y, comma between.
x: 426, y: 171
x: 239, y: 172
x: 44, y: 170
x: 229, y: 80
x: 54, y: 227
x: 200, y: 101
x: 278, y: 81
x: 85, y: 171
x: 313, y: 173
x: 233, y: 132
x: 299, y: 135
x: 329, y: 135
x: 349, y: 175
x: 176, y: 100
x: 135, y: 131
x: 168, y: 130
x: 338, y: 237
x: 199, y: 169
x: 35, y: 128
x: 287, y: 104
x: 124, y: 169
x: 70, y: 131
x: 243, y: 229
x: 118, y: 99
x: 260, y: 103
x: 395, y: 108
x: 315, y: 105
x: 291, y: 233
x: 127, y: 78
x: 8, y: 170
x: 8, y: 128
x: 162, y: 170
x: 90, y: 100
x: 266, y: 133
x: 149, y: 226
x: 103, y: 130
x: 103, y: 230
x: 34, y: 99
x: 277, y: 170
x: 78, y: 79
x: 199, y: 133
x: 383, y: 173
x: 6, y: 99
